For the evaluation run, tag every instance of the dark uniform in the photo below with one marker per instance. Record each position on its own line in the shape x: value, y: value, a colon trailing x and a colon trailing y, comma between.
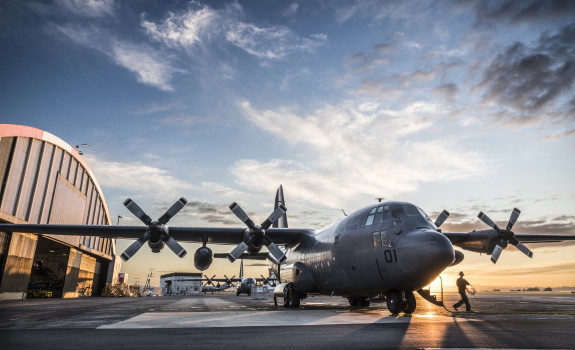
x: 461, y: 286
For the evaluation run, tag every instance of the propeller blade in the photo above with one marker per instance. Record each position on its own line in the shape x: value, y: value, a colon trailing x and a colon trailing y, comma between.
x: 241, y: 214
x: 137, y: 211
x: 278, y: 213
x: 496, y: 253
x: 229, y: 281
x: 176, y: 247
x: 174, y: 209
x: 441, y: 218
x: 276, y: 253
x: 238, y: 251
x: 483, y: 217
x: 134, y: 247
x: 522, y: 247
x: 513, y: 219
x: 209, y: 280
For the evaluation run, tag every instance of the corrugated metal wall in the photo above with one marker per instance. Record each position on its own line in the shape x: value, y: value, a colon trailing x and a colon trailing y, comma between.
x: 41, y: 182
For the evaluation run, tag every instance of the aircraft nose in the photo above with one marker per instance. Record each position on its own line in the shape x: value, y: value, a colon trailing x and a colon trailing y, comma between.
x: 424, y: 255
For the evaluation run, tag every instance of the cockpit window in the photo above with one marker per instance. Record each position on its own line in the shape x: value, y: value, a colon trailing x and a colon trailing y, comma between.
x: 377, y: 215
x: 398, y: 212
x: 423, y: 214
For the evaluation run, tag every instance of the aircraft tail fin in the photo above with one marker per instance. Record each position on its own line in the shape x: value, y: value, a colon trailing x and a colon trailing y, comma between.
x: 282, y: 221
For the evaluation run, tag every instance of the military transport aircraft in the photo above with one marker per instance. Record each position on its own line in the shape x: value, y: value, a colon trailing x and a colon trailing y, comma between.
x: 388, y: 248
x: 209, y: 287
x: 245, y: 283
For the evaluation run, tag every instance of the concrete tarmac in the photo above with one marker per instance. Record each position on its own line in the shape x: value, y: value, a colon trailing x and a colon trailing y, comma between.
x: 220, y: 320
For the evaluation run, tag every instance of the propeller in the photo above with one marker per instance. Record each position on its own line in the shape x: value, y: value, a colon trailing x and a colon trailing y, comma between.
x: 256, y: 235
x: 441, y: 218
x: 157, y: 233
x: 505, y: 236
x: 229, y: 281
x: 209, y: 280
x: 266, y: 280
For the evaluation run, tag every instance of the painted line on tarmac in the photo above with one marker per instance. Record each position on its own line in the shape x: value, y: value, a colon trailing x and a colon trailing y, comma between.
x: 261, y: 319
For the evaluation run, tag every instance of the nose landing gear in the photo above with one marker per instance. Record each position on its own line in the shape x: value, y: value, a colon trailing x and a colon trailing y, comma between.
x: 400, y: 301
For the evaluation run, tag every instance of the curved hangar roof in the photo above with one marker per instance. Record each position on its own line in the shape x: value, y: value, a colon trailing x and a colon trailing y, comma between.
x: 45, y: 180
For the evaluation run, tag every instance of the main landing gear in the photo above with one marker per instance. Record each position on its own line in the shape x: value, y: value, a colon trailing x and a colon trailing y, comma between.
x: 291, y: 297
x: 400, y: 302
x: 359, y: 301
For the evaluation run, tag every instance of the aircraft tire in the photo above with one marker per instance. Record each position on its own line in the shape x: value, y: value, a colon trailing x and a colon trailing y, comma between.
x: 410, y: 303
x: 294, y: 298
x: 394, y: 301
x: 291, y: 297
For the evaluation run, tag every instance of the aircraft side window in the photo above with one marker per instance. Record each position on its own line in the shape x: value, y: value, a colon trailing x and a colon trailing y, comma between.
x: 383, y: 235
x: 386, y: 215
x: 376, y: 239
x: 379, y: 238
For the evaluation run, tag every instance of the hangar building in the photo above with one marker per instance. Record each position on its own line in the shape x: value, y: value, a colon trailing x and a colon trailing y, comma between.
x: 44, y: 180
x: 181, y: 283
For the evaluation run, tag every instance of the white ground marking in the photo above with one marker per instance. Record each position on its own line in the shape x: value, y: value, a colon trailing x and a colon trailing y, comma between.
x: 263, y: 318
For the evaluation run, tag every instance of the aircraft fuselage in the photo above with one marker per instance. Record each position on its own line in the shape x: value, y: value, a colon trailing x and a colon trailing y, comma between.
x: 386, y: 246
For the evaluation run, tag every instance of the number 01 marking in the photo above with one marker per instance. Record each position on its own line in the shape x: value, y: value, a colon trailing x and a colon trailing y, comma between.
x: 389, y: 257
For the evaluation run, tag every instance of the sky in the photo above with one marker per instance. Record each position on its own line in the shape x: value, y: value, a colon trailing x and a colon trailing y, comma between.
x: 461, y: 105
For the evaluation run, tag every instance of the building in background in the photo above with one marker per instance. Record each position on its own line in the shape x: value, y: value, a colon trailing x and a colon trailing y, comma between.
x: 181, y: 283
x: 44, y: 180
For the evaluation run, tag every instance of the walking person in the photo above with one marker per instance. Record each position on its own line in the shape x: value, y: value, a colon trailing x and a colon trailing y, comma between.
x: 462, y: 288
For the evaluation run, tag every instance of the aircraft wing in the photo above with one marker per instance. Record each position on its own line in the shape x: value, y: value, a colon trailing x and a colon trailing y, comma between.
x: 493, y: 242
x: 463, y: 238
x: 217, y: 235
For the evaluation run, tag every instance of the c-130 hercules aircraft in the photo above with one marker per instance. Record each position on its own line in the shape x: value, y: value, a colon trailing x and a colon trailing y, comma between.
x: 388, y: 248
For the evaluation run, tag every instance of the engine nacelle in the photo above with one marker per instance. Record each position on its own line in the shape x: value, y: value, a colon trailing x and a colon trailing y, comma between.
x: 254, y: 248
x: 458, y: 258
x: 156, y: 246
x: 203, y: 258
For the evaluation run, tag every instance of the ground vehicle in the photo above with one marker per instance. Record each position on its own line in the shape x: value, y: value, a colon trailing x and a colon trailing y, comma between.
x: 38, y: 292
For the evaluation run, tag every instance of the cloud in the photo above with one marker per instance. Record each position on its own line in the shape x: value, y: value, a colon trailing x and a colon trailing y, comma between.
x: 88, y: 8
x: 533, y: 85
x: 354, y: 150
x: 526, y: 11
x: 447, y: 91
x: 150, y: 66
x: 291, y: 10
x: 201, y: 24
x: 366, y: 63
x: 186, y: 29
x: 138, y: 178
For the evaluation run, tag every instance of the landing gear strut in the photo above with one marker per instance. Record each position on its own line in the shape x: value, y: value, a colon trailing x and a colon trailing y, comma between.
x: 359, y: 301
x: 398, y: 302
